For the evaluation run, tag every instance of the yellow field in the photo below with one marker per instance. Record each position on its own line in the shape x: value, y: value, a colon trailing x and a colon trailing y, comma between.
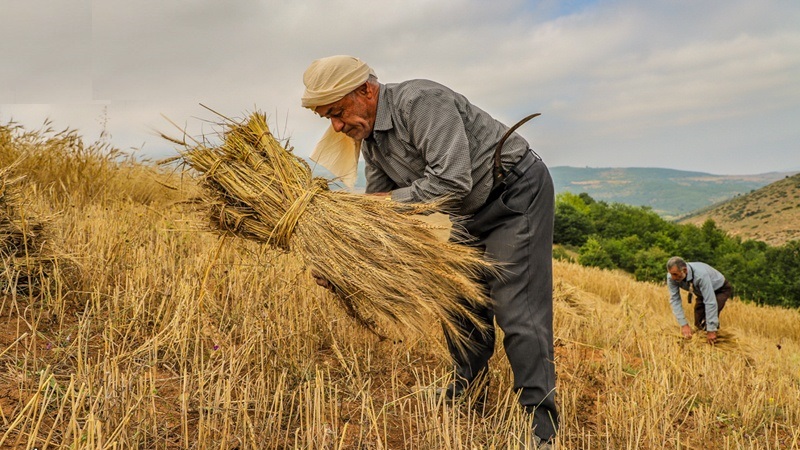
x: 152, y: 333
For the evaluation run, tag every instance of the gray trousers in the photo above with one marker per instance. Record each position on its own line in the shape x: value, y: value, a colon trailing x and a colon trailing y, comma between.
x: 516, y: 230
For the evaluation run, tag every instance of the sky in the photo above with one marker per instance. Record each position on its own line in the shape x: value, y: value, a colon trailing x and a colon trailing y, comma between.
x: 710, y: 86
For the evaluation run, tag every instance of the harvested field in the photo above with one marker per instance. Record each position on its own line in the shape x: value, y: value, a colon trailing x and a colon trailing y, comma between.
x: 173, y: 337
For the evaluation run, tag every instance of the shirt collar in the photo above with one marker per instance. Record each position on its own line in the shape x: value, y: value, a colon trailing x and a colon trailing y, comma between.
x: 689, y: 274
x: 383, y: 117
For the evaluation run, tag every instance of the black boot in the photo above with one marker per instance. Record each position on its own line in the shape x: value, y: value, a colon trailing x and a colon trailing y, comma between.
x: 537, y: 443
x: 454, y: 391
x: 472, y: 393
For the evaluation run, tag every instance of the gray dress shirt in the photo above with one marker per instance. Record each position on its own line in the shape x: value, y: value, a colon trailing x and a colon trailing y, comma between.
x: 429, y: 142
x: 706, y: 280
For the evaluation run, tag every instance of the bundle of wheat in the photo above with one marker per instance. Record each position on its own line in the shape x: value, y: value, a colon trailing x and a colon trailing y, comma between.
x: 384, y: 263
x: 25, y: 254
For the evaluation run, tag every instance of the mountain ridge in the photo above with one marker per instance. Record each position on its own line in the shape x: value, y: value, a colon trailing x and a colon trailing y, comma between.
x: 770, y: 214
x: 671, y: 193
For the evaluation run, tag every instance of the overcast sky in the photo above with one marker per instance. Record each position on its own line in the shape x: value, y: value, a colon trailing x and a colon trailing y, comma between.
x: 711, y: 86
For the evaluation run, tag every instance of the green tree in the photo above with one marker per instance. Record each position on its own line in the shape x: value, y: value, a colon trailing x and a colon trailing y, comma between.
x: 587, y: 199
x: 713, y: 235
x: 693, y: 246
x: 593, y: 254
x: 783, y: 286
x: 665, y: 239
x: 572, y: 227
x: 580, y: 202
x: 618, y: 220
x: 623, y: 251
x: 651, y: 264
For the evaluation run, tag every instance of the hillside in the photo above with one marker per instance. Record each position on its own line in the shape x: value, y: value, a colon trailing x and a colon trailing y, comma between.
x: 670, y: 193
x: 136, y: 328
x: 770, y: 214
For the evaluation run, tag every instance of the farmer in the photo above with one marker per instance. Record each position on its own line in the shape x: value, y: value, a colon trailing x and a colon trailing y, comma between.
x: 708, y: 285
x: 421, y: 141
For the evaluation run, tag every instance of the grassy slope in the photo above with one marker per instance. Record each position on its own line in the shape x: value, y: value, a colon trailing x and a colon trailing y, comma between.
x: 168, y: 337
x: 770, y: 214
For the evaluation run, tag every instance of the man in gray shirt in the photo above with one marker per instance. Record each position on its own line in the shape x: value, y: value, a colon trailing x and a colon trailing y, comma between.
x: 710, y: 287
x: 421, y: 141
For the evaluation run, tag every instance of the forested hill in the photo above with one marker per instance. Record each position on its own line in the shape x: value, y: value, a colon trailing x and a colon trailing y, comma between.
x: 770, y: 214
x: 670, y: 193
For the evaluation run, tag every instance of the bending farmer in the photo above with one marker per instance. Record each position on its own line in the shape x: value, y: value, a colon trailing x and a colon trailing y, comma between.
x: 421, y: 142
x: 708, y: 285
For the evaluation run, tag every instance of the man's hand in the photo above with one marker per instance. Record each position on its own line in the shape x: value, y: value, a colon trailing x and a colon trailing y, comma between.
x: 711, y: 337
x: 686, y: 330
x: 321, y: 281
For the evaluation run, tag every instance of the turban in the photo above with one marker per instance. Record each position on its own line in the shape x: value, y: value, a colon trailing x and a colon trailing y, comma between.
x: 327, y: 81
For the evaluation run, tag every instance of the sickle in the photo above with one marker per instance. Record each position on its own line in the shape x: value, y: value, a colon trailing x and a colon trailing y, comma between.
x: 497, y: 171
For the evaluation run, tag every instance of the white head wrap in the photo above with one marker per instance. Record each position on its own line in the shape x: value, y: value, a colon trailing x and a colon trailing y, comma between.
x: 327, y: 81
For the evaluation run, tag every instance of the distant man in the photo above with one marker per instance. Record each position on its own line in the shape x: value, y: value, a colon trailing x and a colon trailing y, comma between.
x: 704, y: 282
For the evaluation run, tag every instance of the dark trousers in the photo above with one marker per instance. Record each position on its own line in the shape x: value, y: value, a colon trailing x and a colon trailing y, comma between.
x: 516, y: 230
x: 722, y: 294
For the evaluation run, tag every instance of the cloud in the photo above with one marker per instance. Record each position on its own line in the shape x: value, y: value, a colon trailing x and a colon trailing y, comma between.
x: 619, y: 82
x: 45, y: 52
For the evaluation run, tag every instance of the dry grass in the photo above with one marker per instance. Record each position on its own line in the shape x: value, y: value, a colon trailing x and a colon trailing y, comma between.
x: 127, y: 358
x: 68, y: 172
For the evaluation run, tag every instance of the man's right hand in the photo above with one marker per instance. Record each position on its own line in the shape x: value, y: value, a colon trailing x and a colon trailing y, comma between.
x: 686, y: 330
x: 321, y: 281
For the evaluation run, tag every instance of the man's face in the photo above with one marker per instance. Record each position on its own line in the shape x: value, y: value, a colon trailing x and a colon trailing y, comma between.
x: 353, y: 115
x: 677, y: 273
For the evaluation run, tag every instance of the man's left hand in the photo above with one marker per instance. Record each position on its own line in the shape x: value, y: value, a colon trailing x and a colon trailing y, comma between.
x: 711, y: 336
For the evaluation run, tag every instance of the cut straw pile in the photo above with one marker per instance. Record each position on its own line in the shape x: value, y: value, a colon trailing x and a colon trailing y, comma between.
x: 26, y: 254
x: 387, y: 267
